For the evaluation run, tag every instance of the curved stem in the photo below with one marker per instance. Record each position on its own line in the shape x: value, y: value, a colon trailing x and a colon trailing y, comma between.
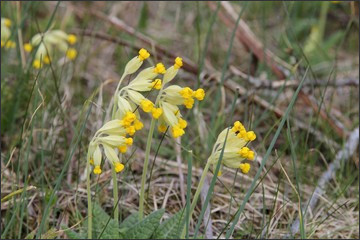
x: 197, y: 193
x: 114, y: 97
x: 89, y: 200
x: 146, y: 163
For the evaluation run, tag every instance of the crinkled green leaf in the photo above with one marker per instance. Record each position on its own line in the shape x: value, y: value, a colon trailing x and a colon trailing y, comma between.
x: 171, y: 228
x: 100, y: 218
x: 130, y: 221
x: 145, y: 228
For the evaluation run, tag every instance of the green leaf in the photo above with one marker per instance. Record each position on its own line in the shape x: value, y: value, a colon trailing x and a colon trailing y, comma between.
x: 171, y: 228
x: 100, y: 219
x: 74, y: 235
x: 130, y: 221
x: 145, y: 228
x: 51, y: 234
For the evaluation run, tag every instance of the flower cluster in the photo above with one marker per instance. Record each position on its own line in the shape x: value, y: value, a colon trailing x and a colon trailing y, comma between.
x: 47, y: 42
x: 112, y: 137
x: 173, y: 96
x: 6, y: 33
x: 115, y: 136
x: 236, y: 150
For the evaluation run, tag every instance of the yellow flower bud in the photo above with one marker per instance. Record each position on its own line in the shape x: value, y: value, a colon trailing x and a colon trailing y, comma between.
x: 156, y: 112
x: 199, y: 94
x: 162, y: 128
x: 72, y: 39
x: 143, y: 54
x: 160, y: 68
x: 97, y: 170
x: 244, y: 167
x: 37, y: 64
x: 71, y: 53
x: 122, y: 148
x: 178, y: 63
x: 182, y: 123
x: 189, y: 103
x: 28, y: 47
x: 129, y: 141
x: 138, y: 125
x: 119, y: 167
x: 146, y: 105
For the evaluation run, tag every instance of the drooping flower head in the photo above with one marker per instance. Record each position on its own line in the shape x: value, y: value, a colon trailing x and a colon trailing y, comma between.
x: 47, y: 43
x: 236, y: 150
x: 109, y: 140
x: 173, y: 96
x: 6, y: 33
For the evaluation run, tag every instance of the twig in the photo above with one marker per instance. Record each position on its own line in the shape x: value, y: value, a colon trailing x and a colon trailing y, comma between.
x: 342, y: 156
x: 269, y: 84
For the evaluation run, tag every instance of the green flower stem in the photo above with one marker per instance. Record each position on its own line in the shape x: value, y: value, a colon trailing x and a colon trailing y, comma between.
x: 116, y: 93
x: 116, y: 195
x: 197, y: 193
x: 90, y: 216
x: 146, y: 163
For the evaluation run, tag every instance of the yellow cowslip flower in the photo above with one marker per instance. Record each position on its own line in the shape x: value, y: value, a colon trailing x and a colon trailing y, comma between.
x: 156, y: 84
x: 6, y: 33
x: 47, y: 60
x: 162, y: 128
x: 173, y: 70
x: 28, y: 47
x: 178, y: 63
x: 71, y: 53
x: 37, y: 64
x: 235, y: 151
x: 160, y: 68
x: 71, y: 39
x: 156, y: 112
x: 135, y: 63
x: 48, y: 42
x: 146, y: 105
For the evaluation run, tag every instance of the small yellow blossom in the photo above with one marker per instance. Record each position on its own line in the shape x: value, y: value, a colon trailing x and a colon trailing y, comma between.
x: 156, y: 84
x: 138, y: 125
x: 7, y: 22
x: 71, y: 53
x: 129, y: 141
x: 186, y: 92
x: 182, y: 123
x: 156, y: 112
x: 244, y: 167
x: 199, y: 94
x: 143, y: 54
x: 122, y: 148
x: 97, y: 170
x: 91, y: 161
x: 37, y: 64
x: 47, y: 60
x: 189, y: 103
x: 119, y: 167
x: 146, y: 105
x: 160, y: 68
x: 131, y: 130
x: 177, y: 131
x: 129, y: 118
x: 178, y: 63
x: 162, y: 128
x: 72, y: 39
x: 28, y: 47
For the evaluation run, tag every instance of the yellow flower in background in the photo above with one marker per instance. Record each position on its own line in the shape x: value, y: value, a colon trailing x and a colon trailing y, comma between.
x: 48, y: 42
x: 6, y: 33
x: 236, y: 150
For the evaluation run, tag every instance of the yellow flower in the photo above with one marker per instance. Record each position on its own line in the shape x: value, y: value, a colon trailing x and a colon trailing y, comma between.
x: 131, y: 130
x: 138, y: 125
x: 10, y: 44
x: 177, y: 131
x: 129, y: 118
x: 7, y: 22
x: 156, y: 112
x: 178, y: 63
x: 28, y: 47
x: 37, y: 64
x: 186, y: 92
x: 71, y: 53
x: 160, y: 68
x: 91, y: 161
x: 122, y: 148
x: 235, y: 151
x: 119, y: 167
x: 71, y: 39
x: 199, y: 94
x: 189, y: 103
x: 156, y: 84
x: 162, y: 128
x: 143, y: 54
x: 182, y: 123
x: 129, y: 141
x: 244, y: 167
x: 47, y: 60
x: 97, y: 169
x: 146, y: 105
